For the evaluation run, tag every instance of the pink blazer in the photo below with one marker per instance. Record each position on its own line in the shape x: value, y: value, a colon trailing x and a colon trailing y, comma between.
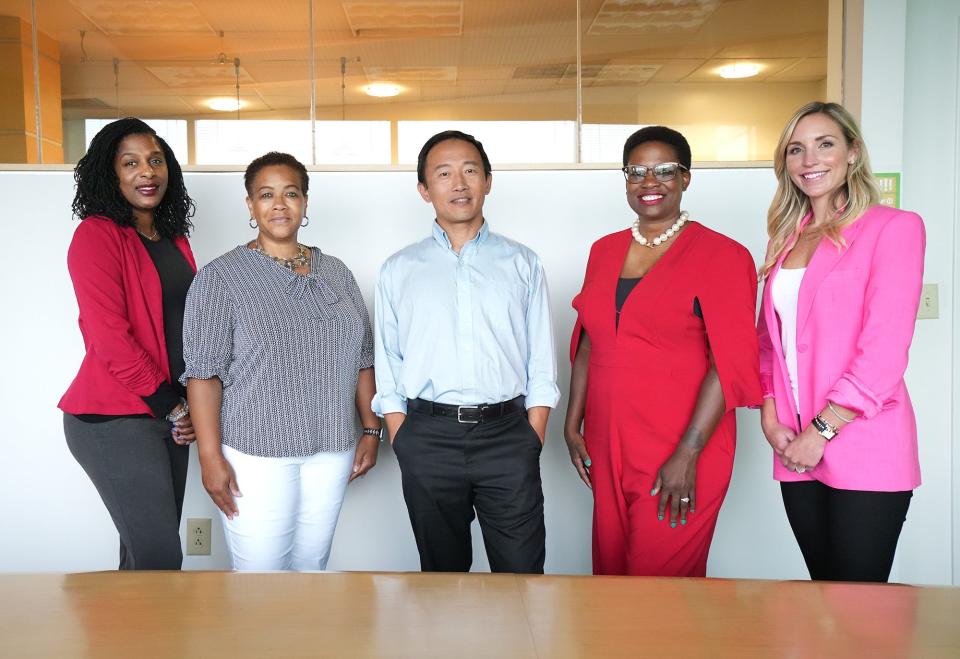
x: 855, y: 321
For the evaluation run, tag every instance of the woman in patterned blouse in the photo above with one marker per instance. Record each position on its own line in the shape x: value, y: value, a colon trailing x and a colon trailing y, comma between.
x: 278, y: 351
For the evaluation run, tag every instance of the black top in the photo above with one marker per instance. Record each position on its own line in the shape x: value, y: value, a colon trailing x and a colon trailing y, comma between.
x: 176, y: 275
x: 625, y: 286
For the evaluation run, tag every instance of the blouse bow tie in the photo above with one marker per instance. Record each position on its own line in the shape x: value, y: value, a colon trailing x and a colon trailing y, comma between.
x: 314, y: 292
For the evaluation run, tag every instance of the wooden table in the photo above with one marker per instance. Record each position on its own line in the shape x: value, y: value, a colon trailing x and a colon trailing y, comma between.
x: 222, y: 614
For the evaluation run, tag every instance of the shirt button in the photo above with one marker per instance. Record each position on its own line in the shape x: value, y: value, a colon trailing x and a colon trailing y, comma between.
x: 802, y: 347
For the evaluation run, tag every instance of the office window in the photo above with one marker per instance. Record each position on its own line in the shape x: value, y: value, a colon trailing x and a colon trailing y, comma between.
x: 727, y: 73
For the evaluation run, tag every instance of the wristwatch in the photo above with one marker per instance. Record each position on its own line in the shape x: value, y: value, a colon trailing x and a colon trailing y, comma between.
x: 826, y: 430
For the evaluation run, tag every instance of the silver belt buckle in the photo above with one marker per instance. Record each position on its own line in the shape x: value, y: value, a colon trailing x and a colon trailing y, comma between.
x: 460, y: 409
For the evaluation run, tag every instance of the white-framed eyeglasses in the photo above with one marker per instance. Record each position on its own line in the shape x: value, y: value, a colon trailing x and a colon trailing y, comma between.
x: 663, y: 172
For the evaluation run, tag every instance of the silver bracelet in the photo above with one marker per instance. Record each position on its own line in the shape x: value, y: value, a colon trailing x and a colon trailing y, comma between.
x: 374, y: 432
x: 837, y: 414
x: 173, y: 417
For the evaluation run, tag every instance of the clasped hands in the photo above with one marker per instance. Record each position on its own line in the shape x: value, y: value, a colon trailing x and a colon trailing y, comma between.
x: 799, y: 453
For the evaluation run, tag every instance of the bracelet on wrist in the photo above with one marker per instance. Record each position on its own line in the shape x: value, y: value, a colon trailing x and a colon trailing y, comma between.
x: 374, y: 432
x: 837, y: 414
x: 175, y: 416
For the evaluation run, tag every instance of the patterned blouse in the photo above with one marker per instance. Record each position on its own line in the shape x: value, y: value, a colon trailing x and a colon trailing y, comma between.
x: 287, y: 348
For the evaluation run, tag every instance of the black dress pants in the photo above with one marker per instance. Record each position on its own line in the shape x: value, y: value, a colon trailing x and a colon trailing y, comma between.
x: 845, y: 535
x: 451, y: 469
x: 141, y: 475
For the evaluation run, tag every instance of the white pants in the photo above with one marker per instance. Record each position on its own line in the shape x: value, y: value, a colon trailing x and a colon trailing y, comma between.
x: 288, y: 511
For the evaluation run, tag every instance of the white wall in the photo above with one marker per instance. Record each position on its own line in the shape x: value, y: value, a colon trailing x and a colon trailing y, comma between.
x: 910, y: 122
x: 931, y: 165
x: 53, y: 520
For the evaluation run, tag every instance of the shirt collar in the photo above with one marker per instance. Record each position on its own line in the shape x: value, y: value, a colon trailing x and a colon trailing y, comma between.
x: 440, y: 236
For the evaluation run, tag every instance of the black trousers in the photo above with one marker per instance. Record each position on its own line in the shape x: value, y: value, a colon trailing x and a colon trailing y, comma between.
x: 845, y: 535
x: 450, y: 469
x: 141, y: 475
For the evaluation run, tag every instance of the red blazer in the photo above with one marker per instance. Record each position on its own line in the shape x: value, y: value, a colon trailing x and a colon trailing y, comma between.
x: 121, y: 319
x: 855, y: 322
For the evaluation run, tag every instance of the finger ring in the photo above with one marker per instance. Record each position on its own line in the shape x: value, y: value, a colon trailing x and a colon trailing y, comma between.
x: 800, y: 470
x: 684, y: 499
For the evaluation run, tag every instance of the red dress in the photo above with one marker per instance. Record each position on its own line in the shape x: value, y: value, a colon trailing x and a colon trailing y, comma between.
x: 642, y: 387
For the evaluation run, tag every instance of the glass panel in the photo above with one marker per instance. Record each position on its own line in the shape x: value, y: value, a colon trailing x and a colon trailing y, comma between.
x: 233, y: 142
x: 506, y: 142
x: 444, y: 60
x: 353, y: 142
x: 192, y: 62
x: 173, y: 131
x: 660, y: 63
x: 497, y: 65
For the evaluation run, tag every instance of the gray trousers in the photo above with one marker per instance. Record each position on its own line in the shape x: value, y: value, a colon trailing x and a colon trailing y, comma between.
x: 141, y: 475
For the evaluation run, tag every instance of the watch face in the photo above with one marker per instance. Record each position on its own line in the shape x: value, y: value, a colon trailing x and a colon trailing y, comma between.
x: 823, y: 428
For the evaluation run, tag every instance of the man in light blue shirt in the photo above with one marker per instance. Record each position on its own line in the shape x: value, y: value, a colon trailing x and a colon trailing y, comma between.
x: 466, y: 371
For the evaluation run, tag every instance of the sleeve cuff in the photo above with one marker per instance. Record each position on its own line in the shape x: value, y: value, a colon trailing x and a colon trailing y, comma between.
x: 851, y: 394
x: 205, y: 372
x: 162, y: 401
x: 366, y: 360
x: 388, y: 404
x: 547, y: 396
x: 766, y: 384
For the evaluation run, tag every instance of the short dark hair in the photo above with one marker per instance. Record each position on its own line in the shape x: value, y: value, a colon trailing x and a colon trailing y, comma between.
x: 663, y: 134
x: 443, y: 137
x: 275, y: 158
x: 98, y: 188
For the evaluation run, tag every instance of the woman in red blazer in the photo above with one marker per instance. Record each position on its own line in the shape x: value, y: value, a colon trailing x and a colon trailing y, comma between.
x: 843, y: 277
x: 125, y: 417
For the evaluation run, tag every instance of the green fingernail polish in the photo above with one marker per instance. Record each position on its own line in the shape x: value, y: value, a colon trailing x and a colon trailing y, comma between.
x: 660, y: 517
x: 587, y: 463
x: 673, y: 525
x: 683, y: 522
x: 653, y: 491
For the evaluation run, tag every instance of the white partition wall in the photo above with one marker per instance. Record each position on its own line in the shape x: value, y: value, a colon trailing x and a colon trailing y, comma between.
x: 52, y: 518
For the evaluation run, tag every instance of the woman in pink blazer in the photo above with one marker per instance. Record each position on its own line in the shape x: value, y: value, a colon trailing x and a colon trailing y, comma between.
x: 843, y: 277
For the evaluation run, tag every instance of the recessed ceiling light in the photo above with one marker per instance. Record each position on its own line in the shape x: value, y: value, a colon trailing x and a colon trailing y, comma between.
x: 382, y: 89
x: 739, y: 70
x: 225, y: 104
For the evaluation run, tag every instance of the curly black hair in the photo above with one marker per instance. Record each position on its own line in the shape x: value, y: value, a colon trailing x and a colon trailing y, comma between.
x: 98, y: 188
x: 275, y: 158
x: 668, y: 136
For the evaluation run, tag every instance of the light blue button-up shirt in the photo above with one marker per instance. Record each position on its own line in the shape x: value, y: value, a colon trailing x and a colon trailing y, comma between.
x: 464, y: 328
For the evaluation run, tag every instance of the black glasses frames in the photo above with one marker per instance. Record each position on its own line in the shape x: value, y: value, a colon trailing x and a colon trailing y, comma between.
x: 663, y: 172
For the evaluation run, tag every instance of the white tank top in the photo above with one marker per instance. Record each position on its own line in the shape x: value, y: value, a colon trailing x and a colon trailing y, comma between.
x: 785, y: 293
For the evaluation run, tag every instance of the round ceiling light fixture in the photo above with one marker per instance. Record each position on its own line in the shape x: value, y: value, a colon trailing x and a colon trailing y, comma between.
x: 382, y: 89
x: 739, y: 70
x: 225, y: 104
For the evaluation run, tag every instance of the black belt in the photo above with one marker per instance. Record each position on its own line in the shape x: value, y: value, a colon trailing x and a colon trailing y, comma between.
x: 467, y: 413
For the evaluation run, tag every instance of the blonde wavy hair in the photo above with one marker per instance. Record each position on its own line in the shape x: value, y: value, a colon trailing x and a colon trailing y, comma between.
x: 790, y: 205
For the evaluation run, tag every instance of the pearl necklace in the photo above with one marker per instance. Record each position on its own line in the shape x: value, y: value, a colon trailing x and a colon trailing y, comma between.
x: 301, y: 259
x: 663, y: 237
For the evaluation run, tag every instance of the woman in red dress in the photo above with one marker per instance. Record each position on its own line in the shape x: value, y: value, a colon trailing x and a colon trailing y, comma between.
x: 663, y: 351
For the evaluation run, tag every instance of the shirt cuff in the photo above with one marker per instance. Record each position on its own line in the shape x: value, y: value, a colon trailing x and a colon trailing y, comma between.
x: 162, y: 401
x: 388, y: 404
x: 543, y: 396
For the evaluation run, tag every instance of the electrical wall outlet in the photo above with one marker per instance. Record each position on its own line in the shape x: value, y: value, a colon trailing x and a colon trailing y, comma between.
x: 929, y: 302
x: 198, y: 536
